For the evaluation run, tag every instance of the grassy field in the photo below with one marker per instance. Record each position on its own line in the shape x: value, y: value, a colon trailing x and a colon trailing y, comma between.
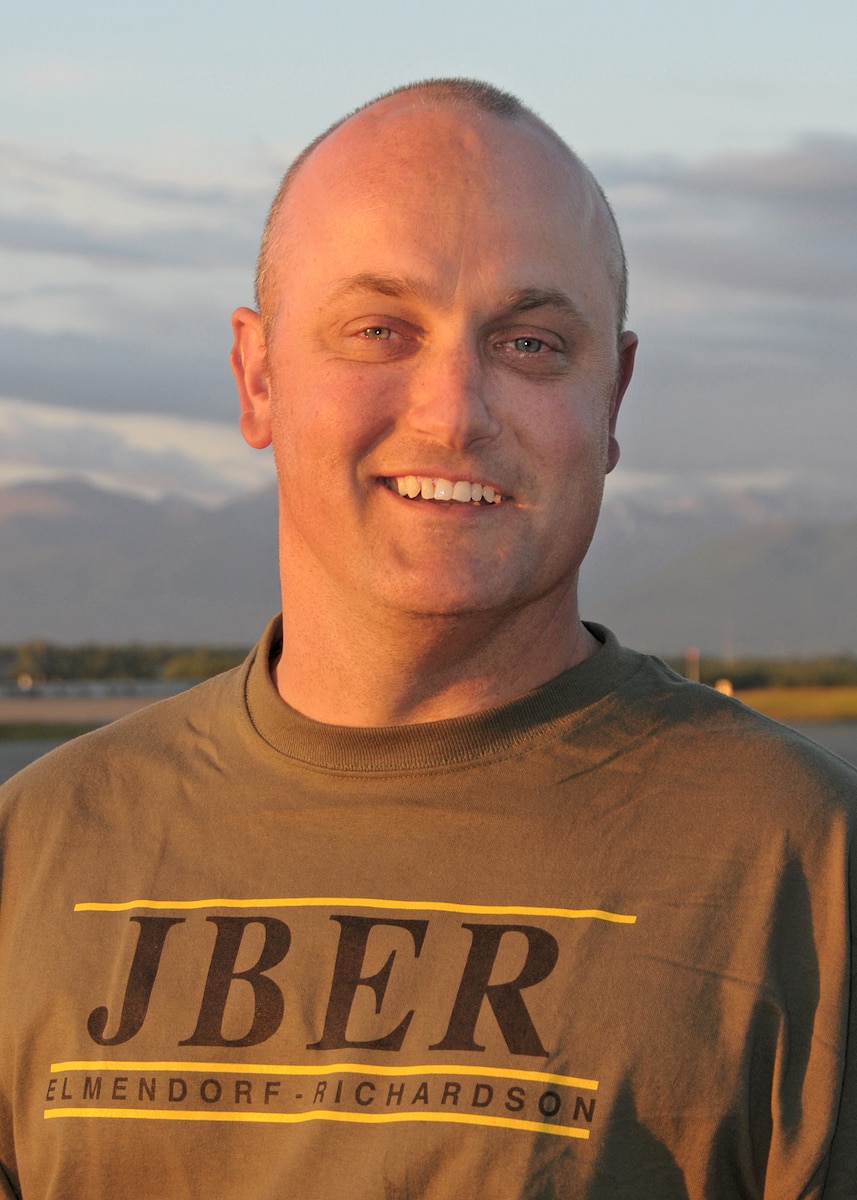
x: 803, y: 703
x: 35, y: 731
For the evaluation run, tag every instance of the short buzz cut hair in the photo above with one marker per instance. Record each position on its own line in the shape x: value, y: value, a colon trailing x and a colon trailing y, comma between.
x: 468, y: 93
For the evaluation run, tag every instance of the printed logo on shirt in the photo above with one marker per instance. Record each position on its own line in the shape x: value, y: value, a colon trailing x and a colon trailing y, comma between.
x: 445, y: 995
x: 189, y: 1091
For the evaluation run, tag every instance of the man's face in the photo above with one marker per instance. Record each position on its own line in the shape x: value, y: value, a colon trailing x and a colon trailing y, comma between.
x: 442, y: 370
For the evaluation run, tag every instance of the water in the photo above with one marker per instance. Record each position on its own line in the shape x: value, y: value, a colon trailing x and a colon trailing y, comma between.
x: 840, y: 737
x: 15, y: 754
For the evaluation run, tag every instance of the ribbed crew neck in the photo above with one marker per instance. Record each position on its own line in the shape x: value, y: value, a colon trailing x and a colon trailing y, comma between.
x: 433, y: 744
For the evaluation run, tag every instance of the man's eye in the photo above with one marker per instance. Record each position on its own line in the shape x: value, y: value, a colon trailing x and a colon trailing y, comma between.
x: 375, y: 333
x: 528, y: 345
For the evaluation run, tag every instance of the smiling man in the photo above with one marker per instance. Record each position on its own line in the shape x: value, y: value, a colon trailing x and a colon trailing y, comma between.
x: 444, y: 893
x: 439, y: 362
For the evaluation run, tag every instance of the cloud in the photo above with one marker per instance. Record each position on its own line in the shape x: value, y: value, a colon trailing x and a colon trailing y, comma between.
x: 95, y: 187
x: 134, y: 374
x: 177, y: 245
x: 203, y: 461
x: 117, y: 286
x: 780, y: 224
x: 817, y: 174
x: 744, y: 286
x: 68, y: 205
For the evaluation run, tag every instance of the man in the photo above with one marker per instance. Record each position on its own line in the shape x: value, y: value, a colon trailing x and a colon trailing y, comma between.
x: 443, y: 894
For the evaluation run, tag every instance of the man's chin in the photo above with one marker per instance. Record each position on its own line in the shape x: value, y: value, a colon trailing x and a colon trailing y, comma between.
x: 483, y: 599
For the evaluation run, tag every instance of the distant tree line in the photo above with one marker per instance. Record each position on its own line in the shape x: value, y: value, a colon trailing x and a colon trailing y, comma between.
x: 838, y: 670
x: 42, y: 661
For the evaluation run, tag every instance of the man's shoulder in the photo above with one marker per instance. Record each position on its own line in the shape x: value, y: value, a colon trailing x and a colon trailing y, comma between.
x: 156, y: 737
x: 693, y: 732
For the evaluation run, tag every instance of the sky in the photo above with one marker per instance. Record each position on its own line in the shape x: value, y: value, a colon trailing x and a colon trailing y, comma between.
x: 140, y: 145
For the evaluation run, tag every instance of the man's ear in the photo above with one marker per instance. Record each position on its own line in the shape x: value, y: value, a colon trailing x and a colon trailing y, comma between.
x: 627, y: 353
x: 249, y: 366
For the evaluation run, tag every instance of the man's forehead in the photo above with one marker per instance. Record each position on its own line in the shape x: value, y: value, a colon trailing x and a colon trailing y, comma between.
x: 412, y: 153
x: 401, y: 155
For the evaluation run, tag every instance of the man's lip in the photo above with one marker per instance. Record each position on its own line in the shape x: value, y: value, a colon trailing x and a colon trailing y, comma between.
x: 443, y: 488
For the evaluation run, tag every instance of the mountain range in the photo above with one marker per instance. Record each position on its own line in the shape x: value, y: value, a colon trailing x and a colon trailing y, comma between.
x: 732, y: 570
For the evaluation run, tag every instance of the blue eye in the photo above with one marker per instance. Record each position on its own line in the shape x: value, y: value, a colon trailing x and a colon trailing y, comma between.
x: 528, y: 345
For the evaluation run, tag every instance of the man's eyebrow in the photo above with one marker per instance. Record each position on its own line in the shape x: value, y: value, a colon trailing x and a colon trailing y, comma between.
x: 386, y: 285
x: 529, y: 298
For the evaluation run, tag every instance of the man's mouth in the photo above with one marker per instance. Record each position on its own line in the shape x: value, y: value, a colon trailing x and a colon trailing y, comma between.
x: 424, y: 487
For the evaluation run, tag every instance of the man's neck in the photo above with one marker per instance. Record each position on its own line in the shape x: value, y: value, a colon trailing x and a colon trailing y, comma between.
x: 404, y: 669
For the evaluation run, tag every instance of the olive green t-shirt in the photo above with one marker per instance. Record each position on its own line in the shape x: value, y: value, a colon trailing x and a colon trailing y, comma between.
x: 593, y: 944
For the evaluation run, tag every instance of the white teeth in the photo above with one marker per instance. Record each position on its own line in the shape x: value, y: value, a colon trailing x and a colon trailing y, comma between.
x: 462, y: 491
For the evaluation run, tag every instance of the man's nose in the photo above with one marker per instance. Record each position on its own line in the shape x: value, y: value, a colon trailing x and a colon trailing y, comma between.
x: 450, y: 398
